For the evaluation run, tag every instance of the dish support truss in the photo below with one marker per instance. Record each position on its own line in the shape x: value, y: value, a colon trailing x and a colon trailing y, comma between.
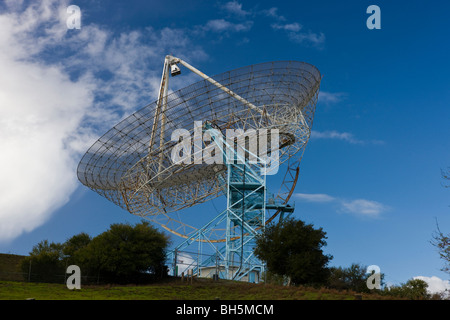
x: 131, y: 164
x: 245, y: 216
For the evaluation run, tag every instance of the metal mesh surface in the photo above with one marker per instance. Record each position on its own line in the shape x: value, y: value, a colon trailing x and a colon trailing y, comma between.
x: 124, y: 168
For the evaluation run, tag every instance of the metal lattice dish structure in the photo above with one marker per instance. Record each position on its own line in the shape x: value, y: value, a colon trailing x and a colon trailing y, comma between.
x: 132, y: 164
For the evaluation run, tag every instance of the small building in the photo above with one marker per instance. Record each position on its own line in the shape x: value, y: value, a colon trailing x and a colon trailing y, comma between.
x: 252, y: 276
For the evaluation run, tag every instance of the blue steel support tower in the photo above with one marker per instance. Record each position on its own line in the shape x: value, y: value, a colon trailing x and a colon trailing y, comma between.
x: 245, y: 189
x: 246, y: 201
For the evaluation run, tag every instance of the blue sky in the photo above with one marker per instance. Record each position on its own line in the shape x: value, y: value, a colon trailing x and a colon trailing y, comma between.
x: 370, y: 175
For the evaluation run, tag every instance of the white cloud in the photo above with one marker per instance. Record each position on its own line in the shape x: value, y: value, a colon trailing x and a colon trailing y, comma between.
x: 318, y: 197
x: 436, y: 285
x: 295, y: 34
x: 222, y: 25
x: 273, y: 13
x: 310, y: 38
x: 329, y: 97
x: 59, y: 90
x: 363, y: 207
x: 294, y: 27
x: 40, y: 109
x: 344, y: 136
x: 359, y: 207
x: 235, y: 8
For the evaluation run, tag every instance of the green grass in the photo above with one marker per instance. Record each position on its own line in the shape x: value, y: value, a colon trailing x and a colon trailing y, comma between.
x: 13, y: 287
x: 174, y: 290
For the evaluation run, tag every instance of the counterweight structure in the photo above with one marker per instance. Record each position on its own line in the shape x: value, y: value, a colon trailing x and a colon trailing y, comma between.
x: 138, y: 164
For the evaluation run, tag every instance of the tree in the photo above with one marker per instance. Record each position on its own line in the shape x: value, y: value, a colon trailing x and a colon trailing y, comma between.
x: 413, y: 289
x: 446, y: 176
x: 293, y: 249
x: 45, y: 261
x: 440, y: 240
x: 73, y: 247
x: 442, y: 243
x: 351, y: 278
x: 125, y: 253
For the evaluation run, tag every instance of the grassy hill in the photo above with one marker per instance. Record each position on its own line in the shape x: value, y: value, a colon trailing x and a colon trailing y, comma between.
x: 202, y: 289
x: 13, y: 287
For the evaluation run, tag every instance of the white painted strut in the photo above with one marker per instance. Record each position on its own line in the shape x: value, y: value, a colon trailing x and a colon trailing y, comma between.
x: 174, y: 60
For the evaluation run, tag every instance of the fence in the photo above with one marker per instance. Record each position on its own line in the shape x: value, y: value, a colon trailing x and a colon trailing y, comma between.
x: 213, y: 265
x: 13, y: 268
x: 201, y: 265
x: 49, y: 277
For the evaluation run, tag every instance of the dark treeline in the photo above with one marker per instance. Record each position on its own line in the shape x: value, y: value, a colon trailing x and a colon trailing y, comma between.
x: 122, y: 254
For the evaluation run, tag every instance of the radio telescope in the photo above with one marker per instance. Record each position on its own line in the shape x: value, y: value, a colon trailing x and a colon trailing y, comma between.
x: 176, y: 153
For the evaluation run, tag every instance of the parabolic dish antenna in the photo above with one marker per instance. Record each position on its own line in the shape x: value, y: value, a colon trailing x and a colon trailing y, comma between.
x: 135, y: 163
